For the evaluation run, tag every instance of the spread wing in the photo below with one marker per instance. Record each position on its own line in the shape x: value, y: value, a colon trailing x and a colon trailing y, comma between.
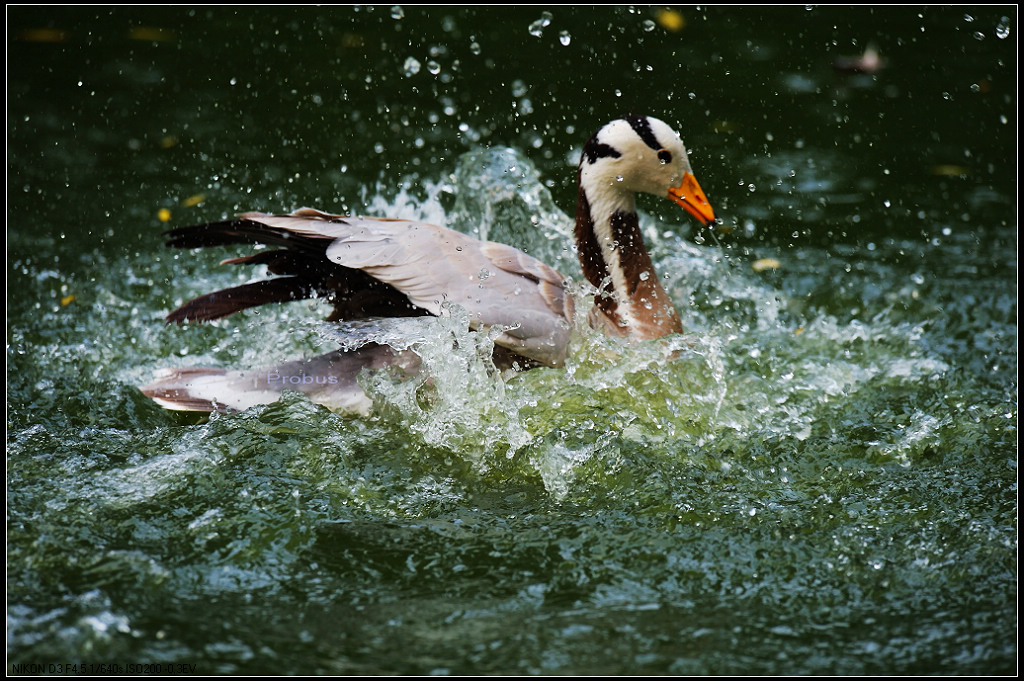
x: 370, y: 267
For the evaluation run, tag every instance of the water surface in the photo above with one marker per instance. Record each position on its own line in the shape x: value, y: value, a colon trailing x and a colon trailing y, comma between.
x: 819, y: 476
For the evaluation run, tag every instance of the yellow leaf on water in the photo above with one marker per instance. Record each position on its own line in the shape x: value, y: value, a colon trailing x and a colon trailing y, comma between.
x: 670, y: 20
x: 163, y: 215
x: 765, y: 264
x: 949, y: 170
x: 151, y: 34
x: 353, y: 41
x: 43, y: 35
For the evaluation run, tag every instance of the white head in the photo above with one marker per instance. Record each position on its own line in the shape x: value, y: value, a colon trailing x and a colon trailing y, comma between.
x: 641, y: 154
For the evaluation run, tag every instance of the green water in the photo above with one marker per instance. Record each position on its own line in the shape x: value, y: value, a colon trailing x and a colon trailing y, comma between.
x: 818, y: 477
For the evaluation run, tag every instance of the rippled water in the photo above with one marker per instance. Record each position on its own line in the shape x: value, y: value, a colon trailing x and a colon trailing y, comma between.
x: 818, y: 476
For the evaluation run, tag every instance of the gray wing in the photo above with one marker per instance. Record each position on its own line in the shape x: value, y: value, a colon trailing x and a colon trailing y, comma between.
x: 497, y: 285
x: 391, y: 267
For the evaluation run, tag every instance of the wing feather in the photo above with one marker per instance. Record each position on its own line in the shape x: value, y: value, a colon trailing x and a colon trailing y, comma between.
x: 430, y: 266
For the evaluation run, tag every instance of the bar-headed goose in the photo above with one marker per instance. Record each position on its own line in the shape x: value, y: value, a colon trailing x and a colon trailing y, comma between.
x: 371, y: 268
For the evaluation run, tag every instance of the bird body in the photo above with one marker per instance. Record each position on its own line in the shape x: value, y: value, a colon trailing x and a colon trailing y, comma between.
x: 377, y: 267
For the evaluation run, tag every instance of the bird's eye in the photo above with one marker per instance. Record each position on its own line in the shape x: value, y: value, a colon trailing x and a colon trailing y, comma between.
x: 665, y: 156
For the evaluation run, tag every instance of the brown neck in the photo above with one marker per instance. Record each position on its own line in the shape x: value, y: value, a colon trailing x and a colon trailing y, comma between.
x: 615, y: 260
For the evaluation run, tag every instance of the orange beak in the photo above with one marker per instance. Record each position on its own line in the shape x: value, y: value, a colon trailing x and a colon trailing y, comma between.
x: 691, y: 197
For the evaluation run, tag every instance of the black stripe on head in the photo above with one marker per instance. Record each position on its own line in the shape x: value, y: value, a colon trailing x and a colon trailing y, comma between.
x: 594, y: 150
x: 642, y: 127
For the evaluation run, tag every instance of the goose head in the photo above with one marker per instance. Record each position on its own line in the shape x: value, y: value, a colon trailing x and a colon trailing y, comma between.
x: 630, y: 155
x: 641, y: 154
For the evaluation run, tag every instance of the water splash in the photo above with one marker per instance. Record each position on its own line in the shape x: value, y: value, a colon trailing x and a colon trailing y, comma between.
x: 536, y: 28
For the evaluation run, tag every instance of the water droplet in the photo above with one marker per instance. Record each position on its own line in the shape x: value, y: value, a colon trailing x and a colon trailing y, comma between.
x: 648, y: 25
x: 537, y: 28
x: 397, y: 12
x: 411, y: 67
x: 644, y: 276
x: 978, y: 35
x: 564, y: 38
x: 433, y: 67
x: 474, y: 47
x: 1003, y: 28
x: 618, y: 178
